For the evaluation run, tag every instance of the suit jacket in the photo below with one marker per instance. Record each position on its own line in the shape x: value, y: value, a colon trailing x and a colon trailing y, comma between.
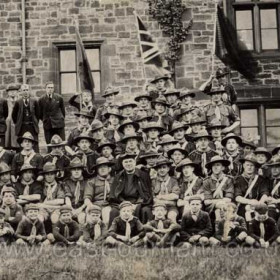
x: 17, y: 114
x: 52, y: 112
x: 4, y: 112
x: 201, y: 226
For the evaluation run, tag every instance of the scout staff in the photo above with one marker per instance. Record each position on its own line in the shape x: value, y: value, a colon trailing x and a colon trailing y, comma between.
x: 165, y: 188
x: 31, y: 230
x: 196, y: 226
x: 126, y: 229
x: 98, y: 188
x: 161, y: 232
x: 6, y: 231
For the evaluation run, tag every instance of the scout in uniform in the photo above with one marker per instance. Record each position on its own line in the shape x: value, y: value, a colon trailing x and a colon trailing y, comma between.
x: 74, y: 188
x: 83, y: 126
x: 161, y: 232
x: 160, y: 114
x: 165, y: 188
x: 160, y: 82
x: 13, y: 211
x: 196, y: 125
x: 189, y: 183
x: 94, y: 231
x: 144, y: 103
x: 126, y: 228
x: 113, y: 118
x: 177, y: 154
x: 6, y: 230
x: 5, y: 176
x: 128, y: 126
x: 231, y: 144
x: 152, y: 131
x: 98, y: 133
x: 217, y: 187
x: 107, y: 150
x: 203, y: 153
x: 231, y: 230
x: 248, y: 146
x: 127, y: 109
x: 166, y: 143
x: 262, y: 157
x: 66, y: 231
x: 172, y: 97
x: 196, y: 226
x: 250, y: 188
x: 276, y: 151
x: 131, y: 143
x: 30, y: 230
x: 262, y: 230
x: 26, y: 156
x: 57, y: 155
x: 98, y: 188
x: 217, y: 109
x: 215, y: 130
x: 109, y: 95
x: 85, y: 102
x: 147, y: 162
x: 4, y: 113
x: 88, y: 157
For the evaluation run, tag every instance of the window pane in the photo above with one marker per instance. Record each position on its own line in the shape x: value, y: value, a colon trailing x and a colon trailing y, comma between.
x: 273, y: 117
x: 269, y: 39
x: 268, y: 18
x: 245, y: 39
x: 93, y: 58
x: 250, y: 133
x: 68, y: 83
x: 244, y: 20
x: 67, y: 60
x: 249, y: 117
x: 96, y: 78
x: 272, y: 136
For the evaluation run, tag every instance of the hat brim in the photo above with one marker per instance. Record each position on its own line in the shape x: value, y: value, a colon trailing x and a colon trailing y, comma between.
x: 193, y: 164
x: 172, y: 93
x: 111, y: 145
x: 127, y: 157
x: 243, y: 144
x: 126, y: 138
x: 148, y: 118
x: 96, y: 128
x: 50, y: 171
x: 159, y: 78
x: 7, y: 171
x: 137, y: 98
x: 157, y: 165
x: 171, y: 151
x: 110, y: 93
x: 108, y: 114
x: 160, y: 128
x: 159, y: 102
x: 20, y: 139
x: 135, y: 124
x: 127, y: 105
x: 237, y: 138
x: 79, y: 138
x: 109, y: 163
x: 195, y: 138
x: 275, y: 151
x: 80, y: 166
x: 224, y: 162
x: 177, y: 128
x: 191, y: 94
x: 63, y: 143
x: 268, y: 154
x: 216, y: 126
x: 27, y: 169
x: 168, y: 142
x: 242, y: 160
x: 85, y: 115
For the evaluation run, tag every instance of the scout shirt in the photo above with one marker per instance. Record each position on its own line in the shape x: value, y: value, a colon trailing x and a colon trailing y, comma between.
x: 235, y: 167
x: 190, y: 186
x: 94, y: 232
x: 66, y: 232
x: 51, y: 191
x: 26, y: 227
x: 77, y: 131
x: 28, y: 188
x: 13, y: 211
x: 88, y: 159
x: 163, y: 224
x: 98, y: 190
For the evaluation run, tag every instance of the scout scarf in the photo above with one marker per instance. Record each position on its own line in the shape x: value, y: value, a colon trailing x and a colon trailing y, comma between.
x: 33, y: 232
x: 231, y: 157
x: 66, y: 231
x: 275, y: 189
x: 262, y: 228
x: 50, y: 189
x: 164, y: 182
x: 2, y: 152
x: 128, y: 227
x: 28, y: 156
x: 97, y: 230
x: 203, y: 163
x: 26, y: 185
x: 219, y: 186
x: 88, y: 106
x: 83, y: 129
x: 160, y: 224
x: 251, y: 184
x: 77, y: 192
x: 106, y: 185
x: 189, y: 190
x: 217, y: 110
x: 7, y: 210
x: 194, y: 216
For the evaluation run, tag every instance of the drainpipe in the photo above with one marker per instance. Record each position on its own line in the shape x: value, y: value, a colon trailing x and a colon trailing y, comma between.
x: 23, y: 30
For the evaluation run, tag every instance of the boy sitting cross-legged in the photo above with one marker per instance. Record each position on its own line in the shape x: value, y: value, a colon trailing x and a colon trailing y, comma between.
x: 162, y: 231
x: 126, y: 229
x: 6, y: 231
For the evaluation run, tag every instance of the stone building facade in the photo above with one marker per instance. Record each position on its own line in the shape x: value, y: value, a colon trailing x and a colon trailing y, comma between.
x: 109, y: 27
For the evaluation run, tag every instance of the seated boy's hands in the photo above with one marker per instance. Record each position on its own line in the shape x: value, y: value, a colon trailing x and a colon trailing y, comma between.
x: 123, y: 238
x: 133, y: 239
x: 195, y: 238
x: 39, y: 237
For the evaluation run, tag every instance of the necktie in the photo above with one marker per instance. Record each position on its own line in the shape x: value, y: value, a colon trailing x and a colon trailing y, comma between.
x: 262, y: 230
x: 25, y: 102
x: 97, y: 231
x: 260, y: 172
x: 127, y: 229
x: 217, y: 113
x: 160, y: 224
x: 231, y: 162
x: 77, y: 192
x: 66, y: 232
x: 7, y: 212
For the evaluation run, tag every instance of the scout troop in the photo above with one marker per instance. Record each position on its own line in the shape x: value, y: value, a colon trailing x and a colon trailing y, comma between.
x: 159, y: 171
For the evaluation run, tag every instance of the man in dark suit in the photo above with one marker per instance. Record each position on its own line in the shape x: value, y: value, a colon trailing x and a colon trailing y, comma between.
x: 25, y: 114
x: 4, y: 112
x: 52, y: 113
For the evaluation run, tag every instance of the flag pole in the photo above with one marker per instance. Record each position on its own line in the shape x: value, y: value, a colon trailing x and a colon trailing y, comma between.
x: 214, y: 39
x: 78, y: 87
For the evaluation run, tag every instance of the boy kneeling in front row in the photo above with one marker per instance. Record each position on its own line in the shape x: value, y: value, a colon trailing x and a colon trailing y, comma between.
x: 161, y: 232
x: 126, y: 229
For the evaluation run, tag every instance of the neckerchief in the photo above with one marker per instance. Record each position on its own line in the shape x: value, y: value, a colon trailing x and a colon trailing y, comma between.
x: 106, y: 185
x: 128, y: 227
x: 28, y: 156
x: 275, y: 189
x: 77, y: 192
x: 251, y: 180
x: 164, y: 184
x: 50, y: 189
x: 231, y: 157
x: 220, y: 182
x: 191, y: 184
x: 26, y: 185
x: 97, y: 230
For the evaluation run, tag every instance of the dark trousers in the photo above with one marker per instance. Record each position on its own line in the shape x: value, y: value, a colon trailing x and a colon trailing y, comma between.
x: 2, y: 140
x: 49, y: 133
x: 30, y: 128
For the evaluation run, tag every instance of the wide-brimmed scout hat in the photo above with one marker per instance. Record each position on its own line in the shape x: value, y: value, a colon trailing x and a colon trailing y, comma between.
x: 172, y: 91
x: 231, y: 136
x: 28, y: 136
x: 114, y: 112
x: 110, y: 90
x: 202, y: 134
x: 177, y: 147
x: 27, y: 167
x: 103, y: 161
x: 4, y: 168
x: 84, y: 135
x: 251, y: 158
x: 215, y: 124
x: 105, y: 144
x: 160, y: 100
x: 127, y: 122
x: 274, y: 161
x: 186, y: 162
x: 84, y: 113
x: 159, y: 77
x: 75, y: 163
x: 197, y: 120
x: 153, y: 125
x: 143, y: 95
x: 131, y: 136
x: 184, y: 111
x: 127, y: 104
x: 141, y: 116
x: 167, y: 139
x: 162, y: 161
x: 96, y: 124
x: 176, y: 126
x: 275, y: 150
x: 248, y: 142
x: 187, y: 92
x: 215, y: 90
x: 56, y: 141
x: 222, y: 72
x: 263, y: 150
x: 217, y: 159
x: 126, y: 156
x: 49, y: 167
x: 150, y: 153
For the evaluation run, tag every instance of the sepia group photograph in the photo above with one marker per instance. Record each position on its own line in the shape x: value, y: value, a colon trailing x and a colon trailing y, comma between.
x: 139, y: 139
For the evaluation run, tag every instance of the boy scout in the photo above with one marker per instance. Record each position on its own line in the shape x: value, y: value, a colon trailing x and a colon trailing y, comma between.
x: 167, y: 142
x: 128, y: 126
x: 161, y: 232
x: 177, y: 154
x: 98, y: 133
x: 6, y: 231
x: 113, y: 118
x: 127, y: 109
x: 215, y: 130
x: 152, y: 131
x: 5, y: 176
x: 147, y: 162
x: 144, y: 103
x: 165, y: 188
x: 30, y: 230
x: 160, y: 83
x: 172, y: 97
x: 262, y: 157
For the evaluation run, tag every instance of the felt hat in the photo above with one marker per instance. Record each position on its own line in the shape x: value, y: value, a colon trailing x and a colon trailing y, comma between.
x: 160, y: 77
x: 195, y: 197
x: 231, y: 136
x: 167, y: 139
x: 150, y: 153
x: 215, y: 90
x: 8, y: 189
x: 176, y: 125
x: 187, y: 92
x: 202, y: 134
x: 261, y: 208
x: 197, y: 120
x: 126, y: 156
x: 215, y: 124
x: 143, y: 95
x: 28, y: 136
x: 159, y: 204
x: 251, y: 158
x: 248, y: 142
x: 56, y: 141
x: 274, y: 161
x: 185, y: 111
x: 221, y: 72
x: 263, y: 150
x: 275, y: 150
x: 49, y: 167
x: 177, y: 147
x: 84, y: 113
x: 172, y: 91
x: 127, y: 122
x: 27, y: 167
x: 31, y: 206
x: 127, y: 104
x: 153, y: 125
x: 110, y: 90
x: 131, y: 136
x: 115, y: 112
x: 162, y: 161
x: 105, y: 144
x: 76, y: 163
x: 12, y: 87
x: 141, y: 116
x: 186, y: 162
x: 4, y: 168
x: 65, y: 209
x: 93, y: 209
x: 160, y: 100
x: 84, y: 135
x: 103, y: 161
x: 96, y: 124
x: 217, y: 159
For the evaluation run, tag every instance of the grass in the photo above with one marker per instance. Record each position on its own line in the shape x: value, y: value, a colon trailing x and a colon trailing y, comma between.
x: 129, y: 263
